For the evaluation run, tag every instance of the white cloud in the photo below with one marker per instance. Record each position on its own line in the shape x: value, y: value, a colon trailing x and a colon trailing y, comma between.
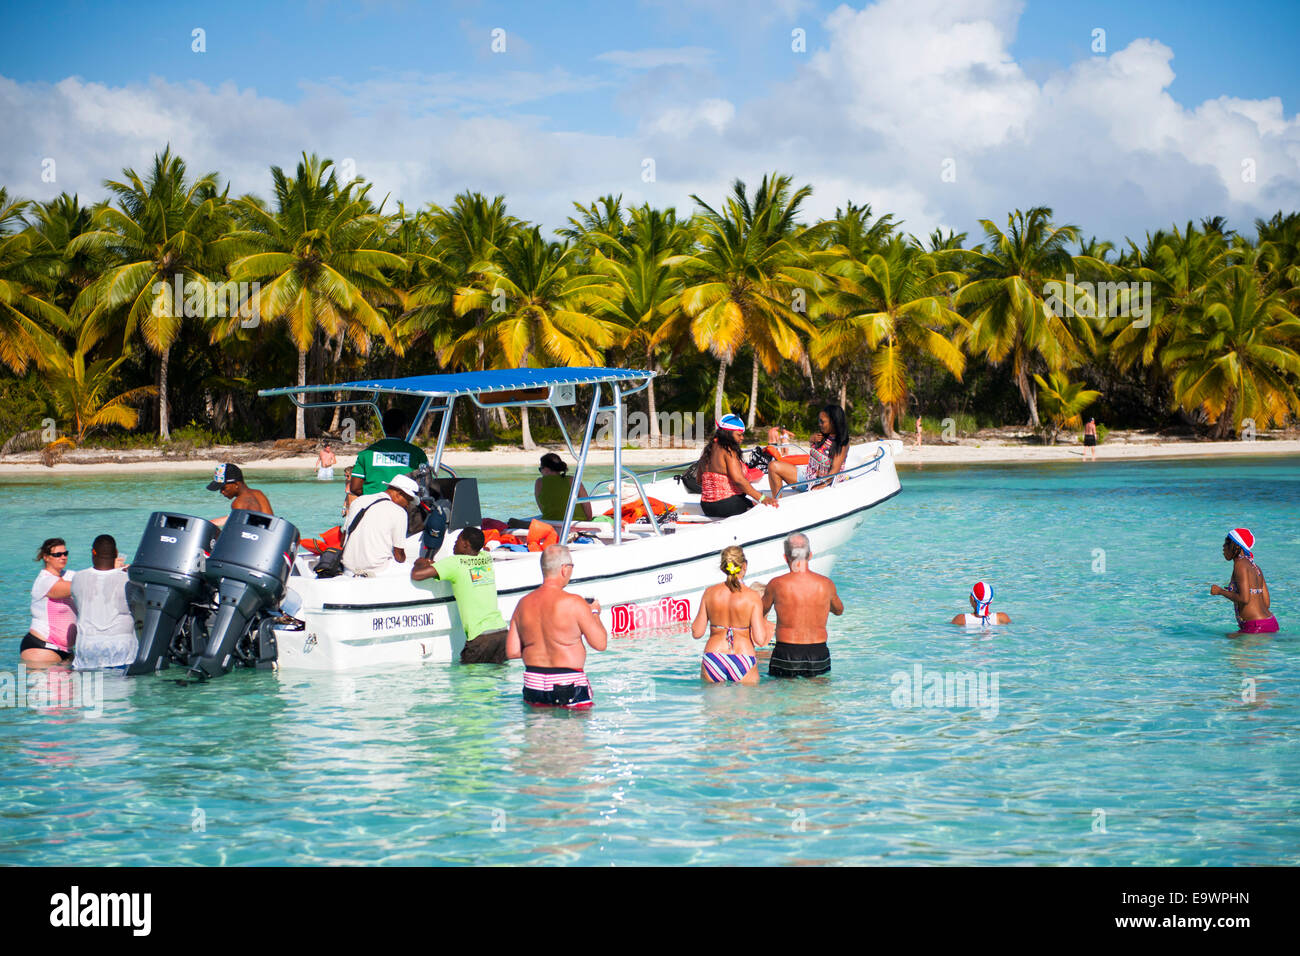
x: 900, y: 87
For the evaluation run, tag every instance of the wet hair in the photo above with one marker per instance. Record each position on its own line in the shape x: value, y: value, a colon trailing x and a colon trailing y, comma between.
x: 554, y: 559
x: 555, y: 463
x: 49, y: 545
x: 474, y: 538
x: 396, y: 422
x: 841, y: 425
x: 797, y: 547
x: 733, y: 556
x: 105, y: 546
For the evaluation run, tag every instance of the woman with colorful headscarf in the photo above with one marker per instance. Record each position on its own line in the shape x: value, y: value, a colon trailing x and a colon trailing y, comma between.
x: 732, y: 615
x: 981, y: 601
x: 1248, y: 591
x: 725, y: 490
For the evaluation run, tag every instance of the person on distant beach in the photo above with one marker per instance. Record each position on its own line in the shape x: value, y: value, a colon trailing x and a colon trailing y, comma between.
x: 1248, y: 591
x: 827, y: 450
x: 804, y: 600
x: 729, y: 654
x: 981, y: 597
x: 551, y: 491
x: 469, y: 571
x: 325, y: 461
x: 387, y: 458
x: 918, y: 431
x: 53, y: 616
x: 547, y: 631
x: 105, y: 627
x: 779, y: 437
x: 1090, y: 439
x: 725, y: 490
x: 229, y: 480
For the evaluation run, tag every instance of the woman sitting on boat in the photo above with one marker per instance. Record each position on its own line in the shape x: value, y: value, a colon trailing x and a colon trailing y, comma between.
x: 729, y: 656
x: 826, y: 454
x: 724, y: 487
x: 552, y: 490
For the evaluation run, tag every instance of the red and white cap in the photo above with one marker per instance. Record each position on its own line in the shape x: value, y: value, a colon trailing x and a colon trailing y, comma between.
x: 1245, y: 540
x: 982, y: 592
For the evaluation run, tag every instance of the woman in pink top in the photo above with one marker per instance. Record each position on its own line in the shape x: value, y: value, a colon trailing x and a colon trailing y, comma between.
x: 52, y: 612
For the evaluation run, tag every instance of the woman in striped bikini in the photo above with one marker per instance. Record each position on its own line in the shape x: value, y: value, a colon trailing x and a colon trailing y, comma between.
x: 729, y: 656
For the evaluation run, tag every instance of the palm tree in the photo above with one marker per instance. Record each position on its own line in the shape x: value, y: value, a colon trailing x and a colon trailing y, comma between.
x: 80, y: 389
x: 1006, y: 297
x: 467, y: 237
x: 317, y: 258
x: 539, y: 308
x: 895, y: 303
x: 57, y: 223
x: 159, y: 236
x: 1064, y: 401
x: 1236, y: 356
x: 743, y: 285
x: 1178, y: 266
x: 643, y: 294
x: 24, y: 280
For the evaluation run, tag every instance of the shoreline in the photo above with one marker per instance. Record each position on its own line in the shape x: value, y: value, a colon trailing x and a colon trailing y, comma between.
x: 965, y: 452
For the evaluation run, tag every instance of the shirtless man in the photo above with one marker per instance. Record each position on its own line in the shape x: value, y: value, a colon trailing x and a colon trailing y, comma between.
x: 547, y: 630
x: 803, y: 600
x: 229, y: 480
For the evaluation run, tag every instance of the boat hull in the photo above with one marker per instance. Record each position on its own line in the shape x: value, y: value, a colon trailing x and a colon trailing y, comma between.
x: 650, y: 584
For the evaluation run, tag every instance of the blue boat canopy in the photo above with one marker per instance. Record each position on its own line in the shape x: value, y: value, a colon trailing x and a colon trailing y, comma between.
x: 472, y: 383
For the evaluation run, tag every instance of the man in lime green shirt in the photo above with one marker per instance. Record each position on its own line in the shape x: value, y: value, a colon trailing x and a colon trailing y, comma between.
x: 387, y: 458
x: 468, y: 569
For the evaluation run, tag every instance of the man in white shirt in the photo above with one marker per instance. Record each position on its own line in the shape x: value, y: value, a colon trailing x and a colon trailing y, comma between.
x: 379, y: 539
x: 105, y: 627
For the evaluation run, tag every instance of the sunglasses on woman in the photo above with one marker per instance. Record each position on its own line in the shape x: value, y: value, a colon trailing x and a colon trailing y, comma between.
x: 58, y: 554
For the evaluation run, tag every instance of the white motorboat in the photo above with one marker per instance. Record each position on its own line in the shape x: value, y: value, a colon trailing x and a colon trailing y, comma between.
x: 648, y: 576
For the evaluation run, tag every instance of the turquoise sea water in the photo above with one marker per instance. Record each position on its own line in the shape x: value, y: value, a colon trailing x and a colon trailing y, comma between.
x: 1117, y: 724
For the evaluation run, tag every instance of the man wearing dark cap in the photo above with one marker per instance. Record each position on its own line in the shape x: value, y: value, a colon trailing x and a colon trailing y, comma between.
x: 229, y: 480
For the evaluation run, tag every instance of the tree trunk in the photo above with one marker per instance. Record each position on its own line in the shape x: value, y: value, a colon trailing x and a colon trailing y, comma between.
x: 753, y: 393
x: 717, y: 394
x: 164, y: 429
x: 888, y: 414
x: 300, y: 424
x: 844, y: 393
x: 650, y: 403
x: 526, y: 432
x: 1028, y: 393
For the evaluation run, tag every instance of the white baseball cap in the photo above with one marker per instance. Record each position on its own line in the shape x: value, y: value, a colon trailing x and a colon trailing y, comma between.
x: 407, y: 486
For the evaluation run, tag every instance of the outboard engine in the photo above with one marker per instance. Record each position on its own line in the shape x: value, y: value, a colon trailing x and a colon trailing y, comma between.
x: 248, y: 567
x: 166, y: 579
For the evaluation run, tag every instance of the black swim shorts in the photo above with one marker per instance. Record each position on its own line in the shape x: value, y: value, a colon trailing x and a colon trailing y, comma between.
x: 799, y: 660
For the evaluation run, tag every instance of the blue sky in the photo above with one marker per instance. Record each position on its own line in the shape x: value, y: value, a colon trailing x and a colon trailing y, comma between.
x: 711, y: 90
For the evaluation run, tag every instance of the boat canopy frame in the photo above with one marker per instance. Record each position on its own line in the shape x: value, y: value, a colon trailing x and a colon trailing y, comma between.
x: 513, y: 388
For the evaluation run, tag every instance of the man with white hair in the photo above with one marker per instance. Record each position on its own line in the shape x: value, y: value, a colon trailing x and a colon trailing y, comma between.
x: 547, y: 630
x: 803, y: 600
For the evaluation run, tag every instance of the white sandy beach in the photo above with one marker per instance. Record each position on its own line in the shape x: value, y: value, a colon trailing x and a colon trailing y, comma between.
x: 968, y: 451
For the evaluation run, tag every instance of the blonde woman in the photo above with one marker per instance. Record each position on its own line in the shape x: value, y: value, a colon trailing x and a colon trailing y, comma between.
x: 732, y: 615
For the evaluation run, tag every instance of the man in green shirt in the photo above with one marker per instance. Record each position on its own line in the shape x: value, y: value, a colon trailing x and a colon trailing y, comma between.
x: 468, y: 569
x: 387, y: 458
